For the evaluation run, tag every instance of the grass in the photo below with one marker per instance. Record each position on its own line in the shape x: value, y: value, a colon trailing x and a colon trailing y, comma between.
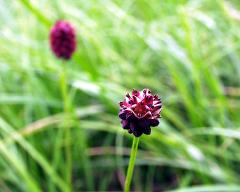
x: 186, y: 51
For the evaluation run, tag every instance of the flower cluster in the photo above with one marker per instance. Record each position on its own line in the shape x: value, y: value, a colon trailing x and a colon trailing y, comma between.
x: 63, y: 39
x: 140, y: 111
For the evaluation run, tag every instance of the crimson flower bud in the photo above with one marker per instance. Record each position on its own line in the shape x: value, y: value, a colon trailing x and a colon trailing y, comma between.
x: 63, y: 39
x: 140, y: 111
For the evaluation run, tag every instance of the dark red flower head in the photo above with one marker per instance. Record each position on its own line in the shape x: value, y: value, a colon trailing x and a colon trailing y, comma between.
x: 63, y: 39
x: 140, y: 111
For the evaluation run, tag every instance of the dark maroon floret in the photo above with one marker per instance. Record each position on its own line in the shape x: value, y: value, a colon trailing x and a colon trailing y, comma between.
x: 63, y: 39
x: 140, y: 111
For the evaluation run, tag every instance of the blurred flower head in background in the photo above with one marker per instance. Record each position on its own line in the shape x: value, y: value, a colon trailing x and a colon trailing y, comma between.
x: 140, y: 111
x: 63, y: 39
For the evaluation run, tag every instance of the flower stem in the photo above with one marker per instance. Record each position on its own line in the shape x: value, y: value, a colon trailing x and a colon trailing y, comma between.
x: 67, y: 135
x: 131, y: 164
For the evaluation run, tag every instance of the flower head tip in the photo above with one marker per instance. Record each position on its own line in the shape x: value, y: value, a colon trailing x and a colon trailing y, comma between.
x: 63, y: 39
x: 140, y: 111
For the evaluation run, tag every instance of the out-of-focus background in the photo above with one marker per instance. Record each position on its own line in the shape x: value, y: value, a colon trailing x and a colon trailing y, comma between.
x: 59, y: 126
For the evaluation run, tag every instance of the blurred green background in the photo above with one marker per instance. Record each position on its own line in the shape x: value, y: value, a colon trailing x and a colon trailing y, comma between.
x: 59, y: 126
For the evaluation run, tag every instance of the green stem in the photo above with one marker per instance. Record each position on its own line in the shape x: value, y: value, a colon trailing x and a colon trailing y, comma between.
x: 67, y: 110
x: 131, y: 164
x: 63, y: 136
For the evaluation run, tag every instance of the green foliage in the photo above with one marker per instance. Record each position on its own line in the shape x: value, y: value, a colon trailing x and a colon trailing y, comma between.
x: 186, y: 51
